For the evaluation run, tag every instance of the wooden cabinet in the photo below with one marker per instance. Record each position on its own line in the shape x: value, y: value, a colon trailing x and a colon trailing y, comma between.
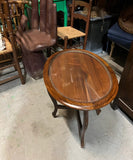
x: 124, y: 99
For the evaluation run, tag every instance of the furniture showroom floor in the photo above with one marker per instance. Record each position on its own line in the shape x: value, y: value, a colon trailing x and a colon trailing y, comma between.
x: 29, y: 132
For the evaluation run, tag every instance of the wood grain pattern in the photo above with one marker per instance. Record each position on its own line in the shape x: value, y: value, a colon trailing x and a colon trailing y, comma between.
x: 80, y: 79
x: 16, y: 10
x: 8, y: 28
x: 124, y: 99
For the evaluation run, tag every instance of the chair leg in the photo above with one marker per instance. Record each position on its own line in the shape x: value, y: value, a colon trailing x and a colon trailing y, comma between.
x: 112, y: 48
x: 98, y: 111
x: 17, y: 66
x: 49, y: 52
x: 85, y: 41
x: 65, y: 42
x: 13, y: 63
x: 20, y: 74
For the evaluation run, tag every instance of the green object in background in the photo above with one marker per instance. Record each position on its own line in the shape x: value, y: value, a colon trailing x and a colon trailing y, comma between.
x: 26, y: 7
x: 60, y: 6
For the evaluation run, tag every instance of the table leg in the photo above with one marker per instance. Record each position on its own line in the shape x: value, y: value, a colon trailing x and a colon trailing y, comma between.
x: 56, y: 106
x: 98, y: 111
x: 82, y: 127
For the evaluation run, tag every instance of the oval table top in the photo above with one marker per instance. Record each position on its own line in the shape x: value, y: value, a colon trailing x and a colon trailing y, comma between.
x: 80, y: 79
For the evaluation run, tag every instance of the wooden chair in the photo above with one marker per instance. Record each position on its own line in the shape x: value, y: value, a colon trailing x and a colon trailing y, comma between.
x: 70, y: 32
x: 43, y: 28
x: 8, y: 36
x: 16, y: 11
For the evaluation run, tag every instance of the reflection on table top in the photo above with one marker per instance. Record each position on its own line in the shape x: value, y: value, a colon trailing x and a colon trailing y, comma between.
x: 80, y: 78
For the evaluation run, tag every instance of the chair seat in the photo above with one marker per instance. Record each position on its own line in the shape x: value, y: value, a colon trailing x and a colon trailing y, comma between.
x: 70, y: 32
x: 8, y: 46
x: 36, y: 40
x: 120, y: 37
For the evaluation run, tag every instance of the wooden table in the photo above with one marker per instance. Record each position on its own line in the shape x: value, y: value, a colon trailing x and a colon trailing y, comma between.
x: 81, y: 80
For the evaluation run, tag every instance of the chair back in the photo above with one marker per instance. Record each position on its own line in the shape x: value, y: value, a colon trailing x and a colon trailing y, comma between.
x: 10, y: 42
x: 6, y: 24
x: 10, y: 14
x: 82, y: 15
x: 15, y: 11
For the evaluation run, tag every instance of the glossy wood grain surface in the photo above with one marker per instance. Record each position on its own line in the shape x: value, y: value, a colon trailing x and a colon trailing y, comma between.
x: 80, y: 79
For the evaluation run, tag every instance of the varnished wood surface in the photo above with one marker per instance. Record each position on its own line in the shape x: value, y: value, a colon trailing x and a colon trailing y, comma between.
x: 124, y: 99
x: 80, y: 79
x: 7, y: 25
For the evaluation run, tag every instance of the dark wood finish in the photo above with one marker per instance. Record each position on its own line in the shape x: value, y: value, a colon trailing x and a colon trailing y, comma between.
x: 82, y: 127
x: 16, y: 10
x: 80, y: 80
x: 124, y: 99
x: 44, y: 29
x: 98, y: 111
x: 8, y: 33
x: 64, y: 32
x: 65, y: 42
x: 57, y: 106
x: 42, y: 35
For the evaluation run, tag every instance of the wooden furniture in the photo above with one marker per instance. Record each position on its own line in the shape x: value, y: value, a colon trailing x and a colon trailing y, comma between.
x: 80, y: 80
x: 117, y: 36
x: 42, y: 35
x: 43, y: 28
x: 70, y: 32
x: 11, y: 46
x: 16, y: 10
x: 60, y: 6
x: 124, y: 99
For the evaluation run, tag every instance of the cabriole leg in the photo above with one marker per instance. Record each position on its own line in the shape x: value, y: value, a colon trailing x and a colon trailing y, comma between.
x: 82, y: 127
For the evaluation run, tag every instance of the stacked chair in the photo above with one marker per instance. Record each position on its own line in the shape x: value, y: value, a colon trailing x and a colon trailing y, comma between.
x: 9, y: 21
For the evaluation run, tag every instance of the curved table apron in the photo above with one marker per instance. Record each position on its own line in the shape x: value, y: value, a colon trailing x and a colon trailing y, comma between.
x: 81, y: 80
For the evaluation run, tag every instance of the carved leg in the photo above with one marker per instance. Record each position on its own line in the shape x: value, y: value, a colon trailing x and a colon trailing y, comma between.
x: 55, y: 105
x: 114, y: 105
x: 98, y: 111
x: 82, y: 127
x: 79, y: 122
